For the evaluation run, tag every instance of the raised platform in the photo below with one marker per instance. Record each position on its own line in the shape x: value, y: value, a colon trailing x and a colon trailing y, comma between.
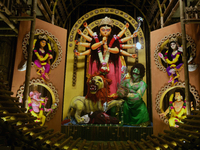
x: 107, y: 133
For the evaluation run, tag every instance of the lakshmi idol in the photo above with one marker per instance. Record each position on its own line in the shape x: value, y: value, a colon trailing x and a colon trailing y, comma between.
x: 41, y: 57
x: 173, y: 58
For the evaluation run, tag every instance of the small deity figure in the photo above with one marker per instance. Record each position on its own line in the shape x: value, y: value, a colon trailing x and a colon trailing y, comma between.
x: 105, y: 50
x: 134, y: 109
x: 41, y: 56
x: 173, y: 58
x: 36, y: 106
x: 177, y: 107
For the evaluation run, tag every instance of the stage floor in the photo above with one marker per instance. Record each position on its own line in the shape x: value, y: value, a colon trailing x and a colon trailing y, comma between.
x: 107, y: 133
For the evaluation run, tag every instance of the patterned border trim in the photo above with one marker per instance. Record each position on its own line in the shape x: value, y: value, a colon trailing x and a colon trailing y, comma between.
x: 156, y: 57
x: 41, y: 31
x: 50, y: 86
x: 168, y: 86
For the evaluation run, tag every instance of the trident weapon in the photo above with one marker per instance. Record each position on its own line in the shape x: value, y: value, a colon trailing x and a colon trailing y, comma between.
x: 139, y: 19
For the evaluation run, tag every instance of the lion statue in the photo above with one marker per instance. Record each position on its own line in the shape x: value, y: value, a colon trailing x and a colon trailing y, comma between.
x: 98, y: 92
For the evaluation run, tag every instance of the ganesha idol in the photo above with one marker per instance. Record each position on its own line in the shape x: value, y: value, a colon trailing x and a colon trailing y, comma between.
x: 36, y: 106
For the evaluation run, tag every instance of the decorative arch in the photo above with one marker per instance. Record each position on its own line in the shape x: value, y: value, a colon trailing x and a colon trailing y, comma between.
x: 83, y: 1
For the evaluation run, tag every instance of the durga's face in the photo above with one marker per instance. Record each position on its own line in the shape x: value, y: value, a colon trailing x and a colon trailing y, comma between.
x: 105, y: 31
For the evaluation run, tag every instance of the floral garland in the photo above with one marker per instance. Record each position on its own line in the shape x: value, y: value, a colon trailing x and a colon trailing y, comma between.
x: 104, y: 61
x: 172, y: 107
x: 174, y: 61
x: 171, y: 103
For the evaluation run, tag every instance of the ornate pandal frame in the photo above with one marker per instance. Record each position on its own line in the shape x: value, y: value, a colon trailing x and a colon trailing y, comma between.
x: 55, y: 45
x: 49, y: 87
x: 167, y: 88
x: 157, y: 59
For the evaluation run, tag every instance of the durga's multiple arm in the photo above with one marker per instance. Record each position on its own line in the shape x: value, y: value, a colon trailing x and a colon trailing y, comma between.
x: 114, y: 50
x: 96, y: 45
x: 84, y: 36
x: 87, y: 52
x: 128, y: 38
x: 126, y: 46
x: 83, y: 44
x: 91, y: 33
x: 121, y: 33
x: 124, y: 53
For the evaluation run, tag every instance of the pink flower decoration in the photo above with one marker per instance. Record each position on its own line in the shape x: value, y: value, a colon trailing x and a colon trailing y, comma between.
x: 160, y: 54
x: 104, y: 64
x: 115, y: 37
x: 95, y: 36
